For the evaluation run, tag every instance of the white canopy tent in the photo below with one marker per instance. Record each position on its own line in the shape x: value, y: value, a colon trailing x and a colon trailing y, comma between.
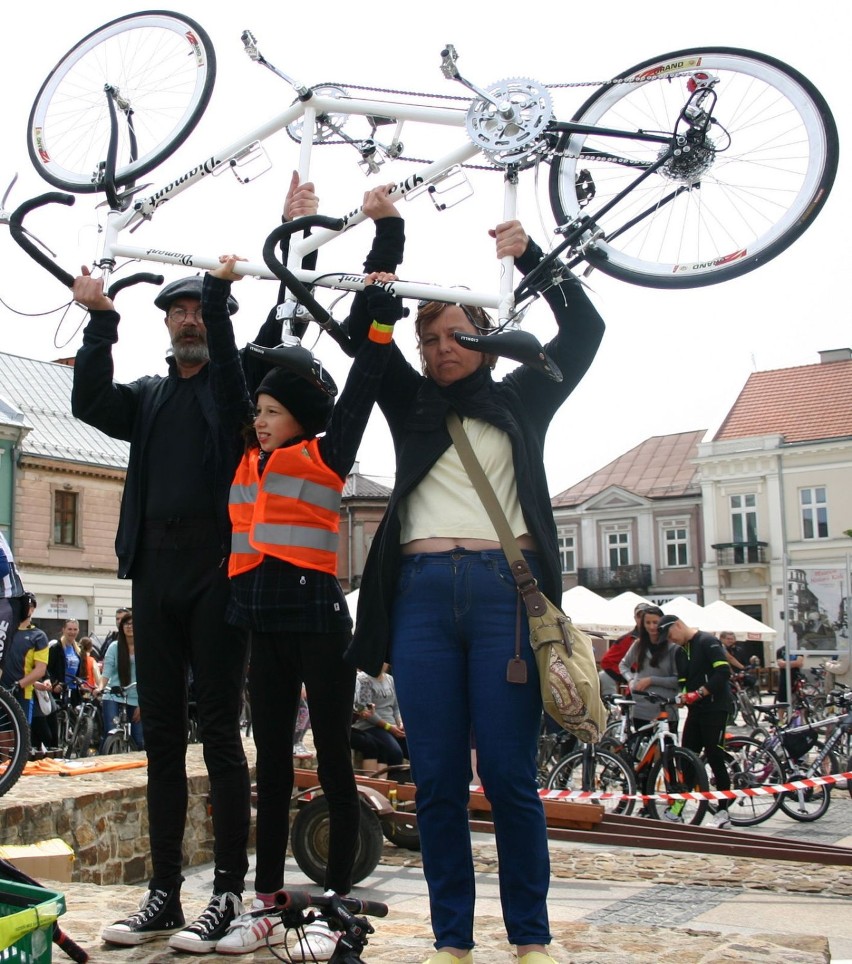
x: 724, y: 617
x: 592, y: 612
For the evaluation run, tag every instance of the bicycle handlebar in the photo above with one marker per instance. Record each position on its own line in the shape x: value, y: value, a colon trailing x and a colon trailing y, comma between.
x: 302, y: 294
x: 16, y: 228
x: 299, y: 900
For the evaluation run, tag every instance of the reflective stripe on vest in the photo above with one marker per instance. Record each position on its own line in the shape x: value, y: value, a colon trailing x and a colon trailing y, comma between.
x: 292, y: 512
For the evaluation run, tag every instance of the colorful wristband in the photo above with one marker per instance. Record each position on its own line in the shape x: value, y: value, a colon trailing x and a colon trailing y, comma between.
x: 383, y: 334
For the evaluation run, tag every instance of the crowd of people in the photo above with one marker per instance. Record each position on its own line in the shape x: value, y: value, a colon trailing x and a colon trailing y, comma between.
x: 48, y: 675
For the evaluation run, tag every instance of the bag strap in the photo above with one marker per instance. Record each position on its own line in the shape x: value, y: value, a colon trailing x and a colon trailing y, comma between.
x: 534, y: 601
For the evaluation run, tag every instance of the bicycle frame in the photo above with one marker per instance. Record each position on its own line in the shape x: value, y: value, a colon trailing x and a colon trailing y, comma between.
x: 308, y: 111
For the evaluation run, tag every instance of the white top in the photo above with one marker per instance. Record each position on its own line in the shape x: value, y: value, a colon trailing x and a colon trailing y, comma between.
x: 434, y: 508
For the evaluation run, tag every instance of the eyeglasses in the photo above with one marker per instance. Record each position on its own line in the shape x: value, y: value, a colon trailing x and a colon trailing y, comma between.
x: 181, y: 314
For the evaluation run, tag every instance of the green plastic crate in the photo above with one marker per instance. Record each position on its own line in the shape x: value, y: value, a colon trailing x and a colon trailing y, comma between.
x: 27, y: 916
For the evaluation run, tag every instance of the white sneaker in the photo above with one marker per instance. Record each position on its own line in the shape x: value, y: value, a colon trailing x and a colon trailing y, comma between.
x: 722, y: 820
x: 670, y: 816
x: 250, y: 933
x: 318, y: 943
x: 301, y: 752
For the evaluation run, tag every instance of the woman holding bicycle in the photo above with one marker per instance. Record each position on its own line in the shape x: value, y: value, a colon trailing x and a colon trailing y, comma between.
x: 285, y: 511
x: 655, y: 670
x: 120, y: 670
x: 439, y: 603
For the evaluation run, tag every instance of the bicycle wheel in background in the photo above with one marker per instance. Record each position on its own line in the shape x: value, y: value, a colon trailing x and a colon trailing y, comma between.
x: 752, y: 766
x: 611, y: 775
x: 118, y: 743
x: 678, y: 770
x: 14, y: 741
x: 724, y: 207
x: 163, y: 67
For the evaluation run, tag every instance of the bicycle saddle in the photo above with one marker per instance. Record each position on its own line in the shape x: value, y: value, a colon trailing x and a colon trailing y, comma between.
x: 520, y: 346
x: 298, y: 360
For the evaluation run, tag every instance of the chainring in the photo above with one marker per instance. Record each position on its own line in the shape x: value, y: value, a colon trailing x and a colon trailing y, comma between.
x: 328, y: 125
x: 510, y: 133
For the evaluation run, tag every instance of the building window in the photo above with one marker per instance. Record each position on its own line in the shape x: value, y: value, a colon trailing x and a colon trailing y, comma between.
x: 618, y: 548
x: 814, y: 513
x: 676, y: 546
x: 567, y: 554
x: 65, y: 506
x: 743, y: 526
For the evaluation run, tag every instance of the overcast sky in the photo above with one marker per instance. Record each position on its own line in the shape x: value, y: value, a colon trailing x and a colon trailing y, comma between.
x: 670, y: 362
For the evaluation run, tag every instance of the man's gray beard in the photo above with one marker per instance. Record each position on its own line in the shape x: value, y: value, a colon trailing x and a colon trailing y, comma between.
x: 190, y: 353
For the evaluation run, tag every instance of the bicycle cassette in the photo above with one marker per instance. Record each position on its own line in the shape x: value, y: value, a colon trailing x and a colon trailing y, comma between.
x: 511, y: 130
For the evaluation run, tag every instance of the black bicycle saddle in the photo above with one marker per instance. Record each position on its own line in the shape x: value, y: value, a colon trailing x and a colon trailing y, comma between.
x: 298, y: 360
x: 520, y: 346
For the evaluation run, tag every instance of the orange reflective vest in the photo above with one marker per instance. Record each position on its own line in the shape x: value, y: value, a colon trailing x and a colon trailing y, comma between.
x: 291, y: 512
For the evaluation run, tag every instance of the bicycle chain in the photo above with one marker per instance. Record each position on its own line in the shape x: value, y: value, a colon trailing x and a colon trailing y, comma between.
x: 466, y: 99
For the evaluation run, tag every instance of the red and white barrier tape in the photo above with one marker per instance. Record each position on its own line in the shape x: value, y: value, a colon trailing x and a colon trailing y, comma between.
x: 761, y: 791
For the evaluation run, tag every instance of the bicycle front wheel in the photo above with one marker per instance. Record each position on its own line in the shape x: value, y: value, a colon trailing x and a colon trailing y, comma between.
x: 14, y: 741
x: 610, y: 774
x: 161, y: 66
x: 118, y: 743
x: 677, y: 770
x: 741, y: 194
x: 752, y: 766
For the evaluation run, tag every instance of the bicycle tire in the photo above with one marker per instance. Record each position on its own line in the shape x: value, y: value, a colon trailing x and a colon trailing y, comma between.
x: 309, y: 840
x: 751, y: 766
x: 163, y: 63
x: 118, y: 743
x: 767, y: 172
x: 14, y: 741
x: 687, y: 774
x: 611, y: 774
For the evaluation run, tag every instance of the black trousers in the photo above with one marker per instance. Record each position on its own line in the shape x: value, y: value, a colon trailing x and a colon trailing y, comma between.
x: 705, y: 731
x: 180, y: 589
x: 280, y: 663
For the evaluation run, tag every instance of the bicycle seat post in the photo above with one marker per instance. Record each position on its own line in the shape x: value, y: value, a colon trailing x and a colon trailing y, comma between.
x: 507, y: 264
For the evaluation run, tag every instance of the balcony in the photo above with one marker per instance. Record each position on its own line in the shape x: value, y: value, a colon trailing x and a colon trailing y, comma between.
x: 741, y: 553
x: 618, y: 579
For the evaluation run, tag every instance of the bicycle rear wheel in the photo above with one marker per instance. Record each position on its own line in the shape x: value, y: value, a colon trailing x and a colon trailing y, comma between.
x: 14, y: 741
x: 732, y: 202
x: 752, y: 766
x: 677, y: 770
x: 163, y: 66
x: 611, y: 775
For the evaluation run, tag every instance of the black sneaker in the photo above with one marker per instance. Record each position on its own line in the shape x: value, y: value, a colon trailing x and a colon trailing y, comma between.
x: 204, y: 934
x: 159, y: 915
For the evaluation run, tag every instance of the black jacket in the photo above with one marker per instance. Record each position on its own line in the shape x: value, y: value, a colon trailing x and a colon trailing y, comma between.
x: 128, y: 412
x: 702, y: 662
x: 522, y: 405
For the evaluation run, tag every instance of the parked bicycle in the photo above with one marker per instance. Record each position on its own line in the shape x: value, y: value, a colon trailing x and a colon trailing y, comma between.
x: 593, y: 768
x: 80, y: 724
x: 803, y: 756
x: 554, y: 744
x: 14, y: 740
x: 119, y: 737
x: 625, y: 173
x: 660, y: 764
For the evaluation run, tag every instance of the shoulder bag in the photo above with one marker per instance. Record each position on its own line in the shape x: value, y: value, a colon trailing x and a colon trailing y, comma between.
x: 570, y: 689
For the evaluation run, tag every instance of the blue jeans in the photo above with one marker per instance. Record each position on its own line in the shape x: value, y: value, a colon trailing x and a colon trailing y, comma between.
x: 453, y: 634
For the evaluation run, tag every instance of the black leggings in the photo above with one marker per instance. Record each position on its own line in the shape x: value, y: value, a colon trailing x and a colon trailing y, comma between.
x: 706, y: 731
x: 280, y: 663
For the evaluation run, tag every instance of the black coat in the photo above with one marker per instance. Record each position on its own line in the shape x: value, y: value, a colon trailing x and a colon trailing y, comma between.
x: 522, y: 405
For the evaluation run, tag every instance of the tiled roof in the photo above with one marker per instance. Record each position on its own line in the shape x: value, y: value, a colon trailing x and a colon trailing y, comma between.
x: 658, y: 468
x: 803, y: 404
x: 360, y: 487
x: 41, y: 392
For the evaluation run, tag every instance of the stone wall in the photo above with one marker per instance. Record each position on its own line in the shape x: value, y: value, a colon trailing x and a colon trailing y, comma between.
x: 103, y: 817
